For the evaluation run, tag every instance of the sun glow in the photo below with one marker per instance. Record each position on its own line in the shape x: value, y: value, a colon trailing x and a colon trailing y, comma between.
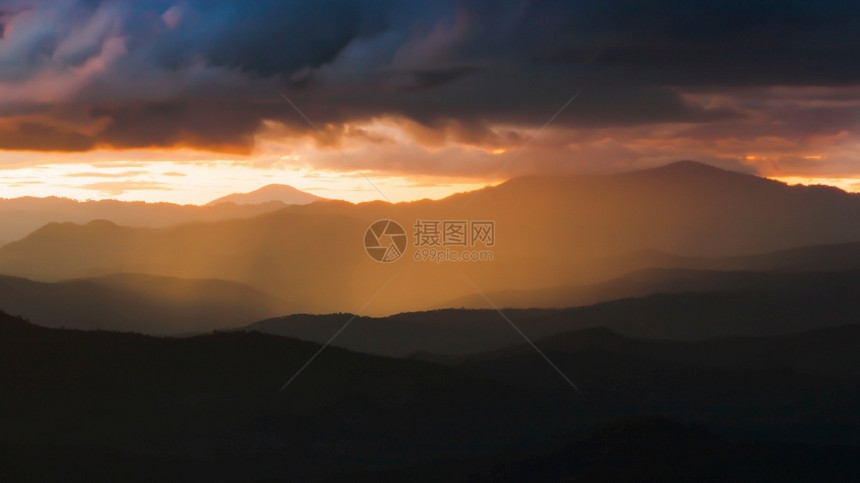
x: 384, y: 150
x: 201, y: 182
x: 851, y: 185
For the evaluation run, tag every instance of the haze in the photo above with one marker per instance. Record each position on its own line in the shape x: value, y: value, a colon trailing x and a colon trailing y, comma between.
x: 423, y: 241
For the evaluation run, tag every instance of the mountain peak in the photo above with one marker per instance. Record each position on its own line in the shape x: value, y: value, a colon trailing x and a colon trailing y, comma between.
x: 689, y: 166
x: 273, y: 192
x: 690, y: 171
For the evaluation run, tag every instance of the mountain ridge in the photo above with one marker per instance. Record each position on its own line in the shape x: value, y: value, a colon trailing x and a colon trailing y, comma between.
x: 137, y: 303
x: 550, y: 232
x: 273, y: 192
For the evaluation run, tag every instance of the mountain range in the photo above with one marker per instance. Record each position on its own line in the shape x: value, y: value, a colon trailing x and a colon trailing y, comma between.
x: 718, y: 304
x: 21, y: 216
x: 169, y: 305
x: 550, y: 231
x: 137, y: 303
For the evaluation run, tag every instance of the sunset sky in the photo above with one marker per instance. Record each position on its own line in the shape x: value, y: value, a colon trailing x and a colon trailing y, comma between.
x: 188, y: 100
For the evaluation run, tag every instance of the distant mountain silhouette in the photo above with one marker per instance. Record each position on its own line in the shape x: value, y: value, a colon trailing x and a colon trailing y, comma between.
x: 93, y: 405
x: 136, y: 303
x: 21, y: 216
x: 550, y: 232
x: 273, y: 192
x: 756, y: 305
x: 824, y: 257
x: 778, y: 271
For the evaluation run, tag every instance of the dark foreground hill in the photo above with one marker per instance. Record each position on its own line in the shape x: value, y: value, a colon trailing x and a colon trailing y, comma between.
x: 830, y: 352
x: 101, y: 405
x: 639, y: 450
x: 212, y: 403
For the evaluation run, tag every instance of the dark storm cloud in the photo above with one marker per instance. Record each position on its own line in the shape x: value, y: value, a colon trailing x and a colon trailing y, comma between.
x: 723, y: 42
x: 216, y: 125
x: 30, y: 135
x: 207, y: 73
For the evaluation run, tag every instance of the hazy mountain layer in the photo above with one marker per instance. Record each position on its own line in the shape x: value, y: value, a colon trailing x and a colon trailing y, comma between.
x: 21, y: 216
x: 680, y: 280
x: 549, y: 232
x: 746, y: 304
x: 137, y: 303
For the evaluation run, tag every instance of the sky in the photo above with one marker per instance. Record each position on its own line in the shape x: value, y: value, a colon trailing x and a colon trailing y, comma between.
x: 189, y: 100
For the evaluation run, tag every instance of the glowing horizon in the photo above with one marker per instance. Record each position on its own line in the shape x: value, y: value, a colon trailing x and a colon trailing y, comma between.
x: 190, y: 183
x: 201, y: 183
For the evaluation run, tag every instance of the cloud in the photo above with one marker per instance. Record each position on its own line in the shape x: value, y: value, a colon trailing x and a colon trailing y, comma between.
x: 80, y: 75
x: 116, y: 188
x: 99, y: 174
x: 36, y: 136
